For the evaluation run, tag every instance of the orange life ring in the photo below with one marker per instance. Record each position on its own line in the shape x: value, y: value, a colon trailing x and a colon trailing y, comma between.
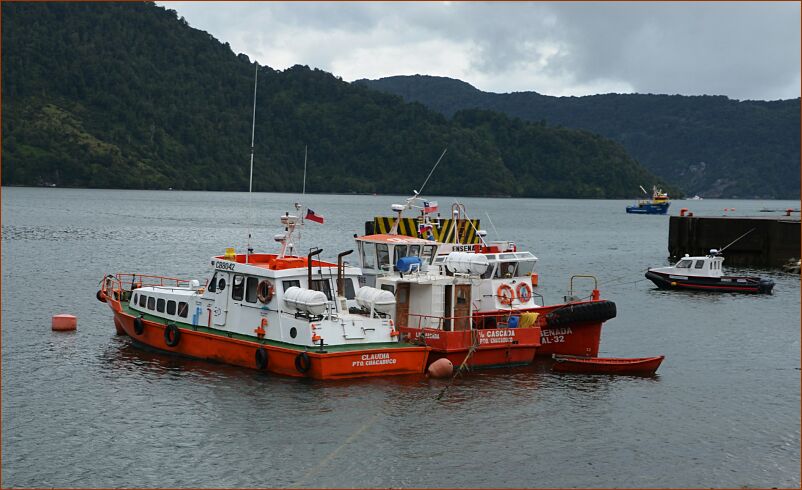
x: 505, y: 294
x: 264, y: 291
x: 524, y: 292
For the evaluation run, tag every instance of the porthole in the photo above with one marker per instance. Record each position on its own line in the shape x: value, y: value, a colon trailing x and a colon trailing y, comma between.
x: 293, y: 332
x: 221, y: 284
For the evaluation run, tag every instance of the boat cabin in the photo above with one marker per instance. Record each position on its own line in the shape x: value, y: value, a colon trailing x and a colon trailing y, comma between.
x: 706, y: 266
x: 384, y: 253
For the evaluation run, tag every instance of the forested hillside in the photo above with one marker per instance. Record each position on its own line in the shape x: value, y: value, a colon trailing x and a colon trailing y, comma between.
x: 707, y: 145
x: 127, y: 95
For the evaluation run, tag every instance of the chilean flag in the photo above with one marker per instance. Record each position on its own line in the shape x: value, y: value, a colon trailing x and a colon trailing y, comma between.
x: 429, y: 206
x: 425, y: 230
x: 310, y: 215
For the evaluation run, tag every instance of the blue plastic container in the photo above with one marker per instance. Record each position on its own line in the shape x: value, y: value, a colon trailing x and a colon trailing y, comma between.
x: 408, y: 264
x: 513, y: 323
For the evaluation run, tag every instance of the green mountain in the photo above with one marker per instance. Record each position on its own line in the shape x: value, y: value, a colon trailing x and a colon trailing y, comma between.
x: 707, y: 145
x: 128, y: 95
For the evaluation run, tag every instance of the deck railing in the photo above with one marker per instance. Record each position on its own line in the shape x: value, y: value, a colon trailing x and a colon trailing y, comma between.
x: 118, y: 284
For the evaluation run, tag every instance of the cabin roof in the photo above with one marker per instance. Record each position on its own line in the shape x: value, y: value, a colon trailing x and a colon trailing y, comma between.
x: 273, y: 262
x: 396, y: 239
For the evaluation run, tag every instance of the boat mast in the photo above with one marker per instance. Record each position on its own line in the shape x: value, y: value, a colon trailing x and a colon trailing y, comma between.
x: 303, y: 192
x: 250, y: 179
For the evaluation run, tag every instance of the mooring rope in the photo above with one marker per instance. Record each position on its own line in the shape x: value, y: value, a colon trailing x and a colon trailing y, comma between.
x: 458, y: 371
x: 339, y: 448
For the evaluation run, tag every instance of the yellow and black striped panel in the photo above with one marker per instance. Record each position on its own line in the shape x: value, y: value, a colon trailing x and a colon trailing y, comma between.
x: 407, y: 226
x: 443, y: 228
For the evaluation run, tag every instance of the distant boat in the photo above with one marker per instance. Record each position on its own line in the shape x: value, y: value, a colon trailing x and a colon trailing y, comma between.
x: 643, y: 366
x: 658, y: 204
x: 695, y: 198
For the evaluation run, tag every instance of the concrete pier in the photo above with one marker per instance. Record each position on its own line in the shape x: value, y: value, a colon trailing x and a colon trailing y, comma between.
x: 773, y: 243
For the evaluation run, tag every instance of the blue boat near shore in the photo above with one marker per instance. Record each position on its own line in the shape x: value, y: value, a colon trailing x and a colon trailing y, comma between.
x: 658, y: 204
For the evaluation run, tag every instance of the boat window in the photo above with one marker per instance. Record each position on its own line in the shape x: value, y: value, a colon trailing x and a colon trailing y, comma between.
x: 699, y: 264
x: 142, y: 300
x: 250, y: 290
x: 151, y: 303
x: 506, y: 270
x: 389, y: 287
x: 221, y: 284
x: 414, y: 250
x: 428, y: 253
x: 289, y: 284
x: 369, y: 256
x: 350, y: 292
x: 183, y: 309
x: 160, y: 305
x: 238, y: 288
x: 526, y: 267
x: 133, y: 301
x: 213, y: 283
x: 489, y: 272
x: 322, y: 285
x: 684, y: 264
x: 171, y: 307
x: 400, y: 251
x: 383, y: 255
x: 507, y: 256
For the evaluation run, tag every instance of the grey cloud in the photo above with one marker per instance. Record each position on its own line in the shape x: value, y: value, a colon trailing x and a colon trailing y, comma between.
x: 743, y: 50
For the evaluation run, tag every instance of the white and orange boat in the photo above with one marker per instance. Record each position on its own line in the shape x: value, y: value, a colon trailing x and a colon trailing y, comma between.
x: 281, y: 313
x: 498, y: 289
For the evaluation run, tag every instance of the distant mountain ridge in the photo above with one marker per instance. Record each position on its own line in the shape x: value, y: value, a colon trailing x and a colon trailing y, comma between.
x: 707, y: 145
x: 128, y: 95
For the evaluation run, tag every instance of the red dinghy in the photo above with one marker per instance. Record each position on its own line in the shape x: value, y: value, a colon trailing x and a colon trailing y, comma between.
x: 606, y: 365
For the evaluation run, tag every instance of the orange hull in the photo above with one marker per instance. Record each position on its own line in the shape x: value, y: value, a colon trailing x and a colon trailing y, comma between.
x: 279, y: 360
x: 644, y: 366
x: 581, y: 339
x: 495, y: 347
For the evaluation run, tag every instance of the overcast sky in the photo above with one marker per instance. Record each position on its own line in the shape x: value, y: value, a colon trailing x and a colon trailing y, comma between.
x: 742, y: 50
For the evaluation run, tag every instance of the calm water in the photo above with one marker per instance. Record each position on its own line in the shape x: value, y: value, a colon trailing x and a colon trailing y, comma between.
x: 86, y: 409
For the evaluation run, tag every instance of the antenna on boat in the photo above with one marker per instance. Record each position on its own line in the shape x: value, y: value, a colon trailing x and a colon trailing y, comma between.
x: 250, y: 179
x: 644, y: 190
x: 498, y: 237
x: 399, y: 208
x: 417, y: 193
x: 732, y: 242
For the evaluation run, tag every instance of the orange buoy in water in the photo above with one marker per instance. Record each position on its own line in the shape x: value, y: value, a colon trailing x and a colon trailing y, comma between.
x: 63, y: 323
x: 441, y: 368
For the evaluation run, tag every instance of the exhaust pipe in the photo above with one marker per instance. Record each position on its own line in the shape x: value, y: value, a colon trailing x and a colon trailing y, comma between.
x: 341, y: 272
x: 312, y: 253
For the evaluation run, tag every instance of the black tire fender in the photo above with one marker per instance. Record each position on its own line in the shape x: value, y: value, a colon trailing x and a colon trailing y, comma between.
x: 261, y: 358
x: 595, y: 311
x: 100, y: 296
x: 172, y: 335
x: 139, y: 326
x: 303, y: 362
